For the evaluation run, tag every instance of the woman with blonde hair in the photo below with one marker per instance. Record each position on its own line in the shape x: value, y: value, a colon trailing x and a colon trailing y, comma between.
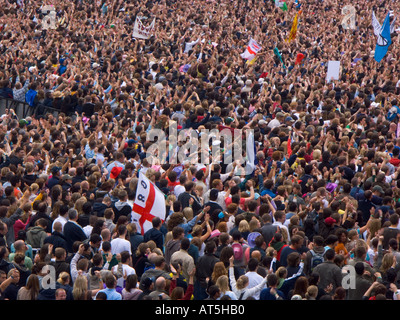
x: 223, y: 285
x: 80, y: 289
x: 244, y: 228
x: 240, y: 286
x: 254, y: 224
x: 79, y: 205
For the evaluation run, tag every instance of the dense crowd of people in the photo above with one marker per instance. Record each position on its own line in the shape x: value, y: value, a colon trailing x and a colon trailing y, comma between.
x: 317, y: 217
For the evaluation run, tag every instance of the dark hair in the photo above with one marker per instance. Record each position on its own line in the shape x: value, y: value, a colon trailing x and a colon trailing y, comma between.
x: 185, y: 244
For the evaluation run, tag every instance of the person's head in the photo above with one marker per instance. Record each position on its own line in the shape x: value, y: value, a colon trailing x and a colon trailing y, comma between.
x: 293, y: 259
x: 159, y: 262
x: 223, y: 283
x: 122, y: 230
x: 60, y: 254
x: 312, y: 292
x: 214, y: 292
x: 297, y: 241
x: 101, y: 295
x: 80, y: 287
x: 219, y: 270
x: 272, y: 280
x: 73, y: 214
x: 178, y: 233
x: 131, y: 282
x: 210, y: 247
x: 110, y: 280
x: 64, y: 278
x: 156, y: 222
x: 394, y: 219
x: 300, y: 286
x: 242, y: 282
x: 60, y: 294
x: 185, y: 244
x: 330, y: 254
x: 252, y: 264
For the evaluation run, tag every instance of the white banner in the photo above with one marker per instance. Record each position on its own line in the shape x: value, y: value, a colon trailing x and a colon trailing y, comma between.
x: 349, y: 19
x: 141, y: 31
x: 333, y: 71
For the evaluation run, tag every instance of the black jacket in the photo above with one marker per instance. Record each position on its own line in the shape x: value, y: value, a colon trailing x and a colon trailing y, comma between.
x: 58, y: 240
x: 72, y: 233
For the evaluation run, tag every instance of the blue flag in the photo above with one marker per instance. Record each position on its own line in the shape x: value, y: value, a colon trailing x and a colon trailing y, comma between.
x: 384, y: 40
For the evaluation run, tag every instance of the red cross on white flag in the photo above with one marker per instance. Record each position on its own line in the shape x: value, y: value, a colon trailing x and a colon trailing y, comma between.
x: 149, y: 203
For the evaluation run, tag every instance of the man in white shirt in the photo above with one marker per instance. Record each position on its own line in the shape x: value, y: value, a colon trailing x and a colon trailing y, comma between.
x: 280, y: 218
x: 254, y: 278
x: 62, y: 218
x: 180, y: 188
x: 121, y: 244
x: 279, y: 117
x: 124, y: 269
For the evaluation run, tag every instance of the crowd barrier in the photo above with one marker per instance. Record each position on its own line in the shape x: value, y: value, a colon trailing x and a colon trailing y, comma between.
x: 23, y: 109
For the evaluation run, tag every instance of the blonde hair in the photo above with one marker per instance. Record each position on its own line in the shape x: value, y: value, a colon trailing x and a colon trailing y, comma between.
x: 242, y: 282
x: 244, y: 226
x: 188, y: 213
x: 253, y: 224
x: 387, y: 262
x: 312, y: 292
x: 223, y: 284
x: 63, y: 278
x: 80, y: 288
x: 79, y: 204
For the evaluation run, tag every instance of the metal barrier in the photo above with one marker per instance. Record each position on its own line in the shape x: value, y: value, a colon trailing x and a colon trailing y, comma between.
x: 23, y: 109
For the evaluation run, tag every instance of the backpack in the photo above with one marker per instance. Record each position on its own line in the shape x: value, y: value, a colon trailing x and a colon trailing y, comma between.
x: 316, y: 258
x: 237, y: 251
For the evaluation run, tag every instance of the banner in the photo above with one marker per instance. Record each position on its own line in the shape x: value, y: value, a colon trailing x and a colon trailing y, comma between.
x: 384, y: 40
x: 293, y: 30
x: 149, y: 203
x: 349, y: 19
x: 250, y: 153
x: 281, y: 4
x: 333, y: 71
x: 141, y: 31
x: 252, y: 48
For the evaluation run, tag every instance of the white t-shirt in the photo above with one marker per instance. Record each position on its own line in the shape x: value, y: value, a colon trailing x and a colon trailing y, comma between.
x: 254, y: 280
x: 118, y: 245
x: 125, y: 270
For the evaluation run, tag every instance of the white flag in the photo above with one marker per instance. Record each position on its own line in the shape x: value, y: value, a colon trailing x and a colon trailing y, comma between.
x: 149, y: 203
x: 252, y: 48
x: 142, y: 32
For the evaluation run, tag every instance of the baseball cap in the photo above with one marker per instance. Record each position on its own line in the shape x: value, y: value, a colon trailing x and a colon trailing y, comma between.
x: 55, y: 169
x: 66, y: 177
x: 115, y: 172
x: 289, y: 118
